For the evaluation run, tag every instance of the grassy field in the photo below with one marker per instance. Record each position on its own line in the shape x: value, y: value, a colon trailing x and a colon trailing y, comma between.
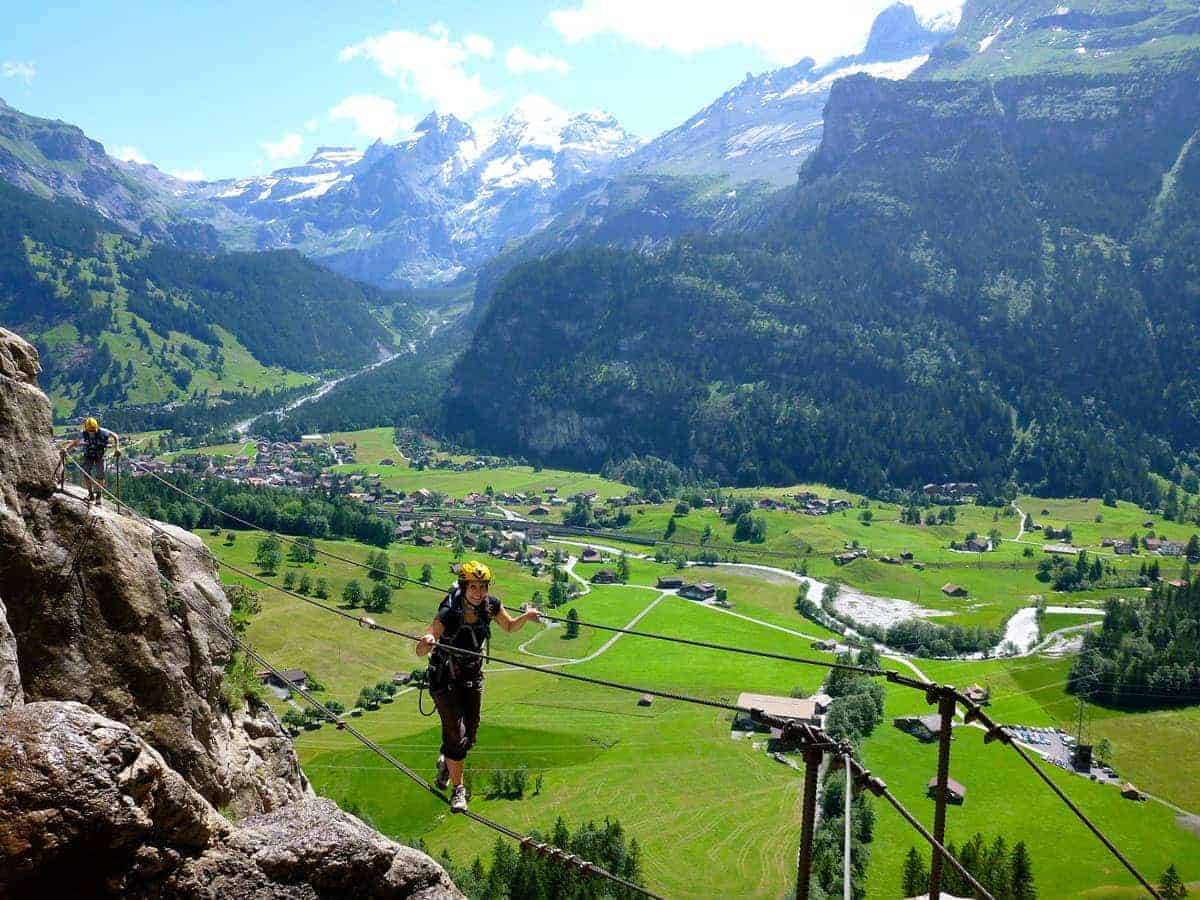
x: 1120, y: 521
x: 375, y: 444
x: 1005, y: 797
x: 998, y: 582
x: 669, y: 771
x: 1054, y: 621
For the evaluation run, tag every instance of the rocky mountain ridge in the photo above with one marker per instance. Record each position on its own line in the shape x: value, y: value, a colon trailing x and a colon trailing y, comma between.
x: 767, y: 125
x: 118, y: 739
x: 420, y: 210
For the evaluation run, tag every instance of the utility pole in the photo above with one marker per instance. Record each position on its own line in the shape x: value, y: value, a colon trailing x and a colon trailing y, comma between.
x: 946, y: 705
x: 814, y: 743
x: 812, y: 765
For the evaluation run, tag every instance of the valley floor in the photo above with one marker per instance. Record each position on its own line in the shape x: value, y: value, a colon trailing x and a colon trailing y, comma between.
x: 671, y: 774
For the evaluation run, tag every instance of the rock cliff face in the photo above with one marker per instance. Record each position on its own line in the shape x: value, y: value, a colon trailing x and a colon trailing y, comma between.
x: 116, y: 745
x: 88, y: 809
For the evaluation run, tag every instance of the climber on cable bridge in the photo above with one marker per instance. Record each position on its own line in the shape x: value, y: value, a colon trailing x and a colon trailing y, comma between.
x: 455, y: 680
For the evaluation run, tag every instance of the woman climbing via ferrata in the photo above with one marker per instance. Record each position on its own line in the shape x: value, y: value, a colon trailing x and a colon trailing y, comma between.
x: 464, y: 621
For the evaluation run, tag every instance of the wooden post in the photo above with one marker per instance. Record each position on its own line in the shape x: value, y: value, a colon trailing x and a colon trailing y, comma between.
x: 946, y: 704
x: 847, y: 893
x: 812, y: 765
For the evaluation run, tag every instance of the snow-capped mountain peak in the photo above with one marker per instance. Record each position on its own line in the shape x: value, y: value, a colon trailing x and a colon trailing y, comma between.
x: 765, y: 126
x: 534, y: 122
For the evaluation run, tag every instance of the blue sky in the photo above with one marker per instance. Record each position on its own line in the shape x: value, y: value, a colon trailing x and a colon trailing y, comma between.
x: 224, y: 90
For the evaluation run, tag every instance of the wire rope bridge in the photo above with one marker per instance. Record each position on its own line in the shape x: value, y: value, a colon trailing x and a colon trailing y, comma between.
x: 814, y: 744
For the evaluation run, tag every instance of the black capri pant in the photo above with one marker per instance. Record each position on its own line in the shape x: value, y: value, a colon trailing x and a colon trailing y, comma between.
x: 458, y: 707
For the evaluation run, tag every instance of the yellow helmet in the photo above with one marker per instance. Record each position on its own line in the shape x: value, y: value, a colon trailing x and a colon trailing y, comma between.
x: 474, y: 571
x: 90, y: 424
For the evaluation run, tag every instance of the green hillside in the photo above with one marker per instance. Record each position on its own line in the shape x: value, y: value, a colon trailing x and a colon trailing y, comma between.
x: 126, y: 323
x: 999, y: 38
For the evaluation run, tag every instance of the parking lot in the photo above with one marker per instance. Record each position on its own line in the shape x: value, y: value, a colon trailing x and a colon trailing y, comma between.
x: 1056, y: 747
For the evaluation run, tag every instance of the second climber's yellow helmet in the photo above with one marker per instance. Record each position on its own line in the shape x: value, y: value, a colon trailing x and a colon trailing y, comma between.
x: 474, y: 571
x: 90, y: 424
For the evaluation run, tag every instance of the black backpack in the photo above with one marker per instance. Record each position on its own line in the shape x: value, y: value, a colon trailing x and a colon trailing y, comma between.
x: 94, y: 444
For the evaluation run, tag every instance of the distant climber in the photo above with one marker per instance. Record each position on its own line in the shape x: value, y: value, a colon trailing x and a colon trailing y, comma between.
x: 95, y: 444
x: 463, y: 620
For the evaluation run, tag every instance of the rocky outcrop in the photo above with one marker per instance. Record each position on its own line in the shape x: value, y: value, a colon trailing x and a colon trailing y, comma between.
x: 87, y: 808
x: 119, y: 736
x: 10, y: 672
x: 102, y: 611
x: 102, y: 608
x: 27, y: 461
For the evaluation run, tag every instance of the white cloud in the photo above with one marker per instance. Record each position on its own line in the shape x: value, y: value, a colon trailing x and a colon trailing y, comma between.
x: 287, y: 147
x: 310, y: 125
x: 519, y: 61
x: 130, y: 154
x: 783, y: 30
x: 373, y: 117
x: 479, y: 45
x: 430, y: 66
x: 188, y: 174
x: 13, y: 68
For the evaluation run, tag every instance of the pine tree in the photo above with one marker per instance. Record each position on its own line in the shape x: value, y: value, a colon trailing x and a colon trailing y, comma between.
x: 1021, y: 877
x: 1171, y: 886
x: 572, y: 624
x: 994, y: 867
x: 915, y: 880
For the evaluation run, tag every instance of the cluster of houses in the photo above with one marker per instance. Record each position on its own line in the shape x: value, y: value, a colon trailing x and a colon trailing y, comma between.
x: 293, y: 464
x: 951, y: 491
x: 701, y: 591
x: 850, y: 554
x: 810, y: 504
x: 1160, y: 546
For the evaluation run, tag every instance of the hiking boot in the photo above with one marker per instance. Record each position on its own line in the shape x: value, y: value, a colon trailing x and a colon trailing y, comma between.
x: 443, y: 774
x: 458, y: 801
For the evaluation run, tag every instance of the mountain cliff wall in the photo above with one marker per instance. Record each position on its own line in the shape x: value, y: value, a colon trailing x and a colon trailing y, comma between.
x: 117, y: 745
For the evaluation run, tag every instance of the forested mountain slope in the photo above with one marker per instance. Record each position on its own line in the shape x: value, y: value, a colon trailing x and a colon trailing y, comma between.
x: 128, y: 322
x: 974, y: 279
